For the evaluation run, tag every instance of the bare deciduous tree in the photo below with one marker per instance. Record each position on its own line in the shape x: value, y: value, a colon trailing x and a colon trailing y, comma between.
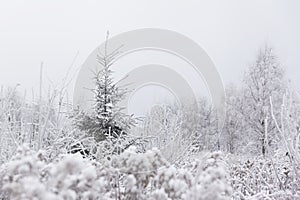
x: 264, y: 79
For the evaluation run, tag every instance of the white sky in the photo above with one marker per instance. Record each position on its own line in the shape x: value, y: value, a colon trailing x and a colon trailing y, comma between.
x: 54, y: 31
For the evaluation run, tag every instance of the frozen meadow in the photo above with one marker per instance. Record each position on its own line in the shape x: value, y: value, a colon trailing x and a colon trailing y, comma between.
x: 51, y: 150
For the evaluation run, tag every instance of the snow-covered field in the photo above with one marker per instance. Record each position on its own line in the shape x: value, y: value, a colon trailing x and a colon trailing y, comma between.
x: 49, y: 150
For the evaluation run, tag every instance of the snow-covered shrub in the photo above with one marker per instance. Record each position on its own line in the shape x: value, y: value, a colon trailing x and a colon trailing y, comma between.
x: 29, y: 176
x: 22, y: 177
x: 211, y: 180
x: 264, y: 178
x: 174, y: 182
x: 75, y: 178
x: 179, y: 130
x: 203, y: 178
x: 40, y: 123
x: 138, y: 170
x: 130, y: 175
x: 159, y: 194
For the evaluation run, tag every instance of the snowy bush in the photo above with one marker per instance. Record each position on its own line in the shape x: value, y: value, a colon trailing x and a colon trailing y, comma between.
x: 42, y: 124
x: 264, y: 178
x: 22, y: 177
x: 130, y: 175
x: 29, y: 176
x: 211, y: 179
x: 206, y: 178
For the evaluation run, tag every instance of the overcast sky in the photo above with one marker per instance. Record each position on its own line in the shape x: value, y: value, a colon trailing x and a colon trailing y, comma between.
x: 231, y: 32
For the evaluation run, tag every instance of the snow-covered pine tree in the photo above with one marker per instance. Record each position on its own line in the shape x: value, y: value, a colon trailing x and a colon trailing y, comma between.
x: 107, y: 123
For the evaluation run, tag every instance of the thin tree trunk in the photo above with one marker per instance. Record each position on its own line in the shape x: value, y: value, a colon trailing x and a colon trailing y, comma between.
x: 39, y: 107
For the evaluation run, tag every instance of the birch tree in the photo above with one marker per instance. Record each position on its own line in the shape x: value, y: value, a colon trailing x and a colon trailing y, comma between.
x: 264, y: 79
